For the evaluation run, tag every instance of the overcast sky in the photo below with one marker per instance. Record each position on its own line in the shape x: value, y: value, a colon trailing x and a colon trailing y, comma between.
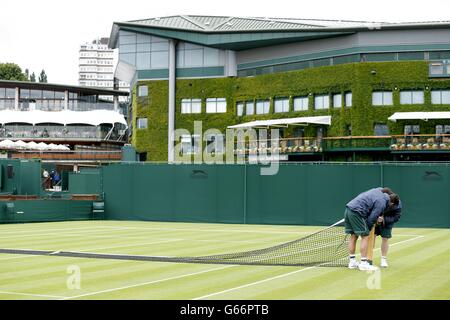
x: 46, y: 34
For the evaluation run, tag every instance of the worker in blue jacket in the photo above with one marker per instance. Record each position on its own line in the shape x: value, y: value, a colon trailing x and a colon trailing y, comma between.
x: 360, y: 216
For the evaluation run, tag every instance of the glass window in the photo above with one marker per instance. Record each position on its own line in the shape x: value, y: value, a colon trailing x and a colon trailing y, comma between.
x: 36, y: 94
x: 321, y: 62
x: 160, y: 46
x: 346, y: 59
x: 381, y: 129
x: 159, y: 60
x: 249, y: 108
x: 436, y: 68
x: 382, y: 98
x: 143, y: 60
x: 300, y: 103
x: 216, y: 105
x: 59, y: 95
x: 193, y: 58
x: 2, y: 93
x: 10, y: 93
x: 381, y: 56
x: 411, y: 97
x: 321, y: 102
x: 141, y: 123
x: 337, y: 101
x: 440, y: 96
x: 412, y: 129
x: 211, y: 57
x: 240, y: 109
x: 348, y: 99
x: 24, y: 93
x: 281, y: 105
x: 129, y: 58
x: 143, y: 47
x: 127, y: 48
x: 439, y: 55
x: 262, y: 106
x: 191, y: 106
x: 143, y: 38
x: 48, y: 94
x: 142, y: 91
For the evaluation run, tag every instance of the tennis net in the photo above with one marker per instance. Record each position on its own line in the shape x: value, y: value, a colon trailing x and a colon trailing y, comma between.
x: 326, y: 247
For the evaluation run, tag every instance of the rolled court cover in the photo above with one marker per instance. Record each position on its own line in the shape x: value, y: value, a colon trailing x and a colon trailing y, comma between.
x: 326, y: 247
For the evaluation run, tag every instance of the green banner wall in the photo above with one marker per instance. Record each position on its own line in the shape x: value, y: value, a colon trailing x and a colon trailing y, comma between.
x: 300, y: 193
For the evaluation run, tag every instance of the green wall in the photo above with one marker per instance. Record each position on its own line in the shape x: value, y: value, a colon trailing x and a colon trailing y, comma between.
x: 354, y: 77
x: 26, y: 178
x: 45, y: 210
x: 301, y: 193
x: 87, y: 181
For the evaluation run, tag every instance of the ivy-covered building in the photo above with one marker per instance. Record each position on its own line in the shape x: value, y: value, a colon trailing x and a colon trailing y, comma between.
x: 340, y: 90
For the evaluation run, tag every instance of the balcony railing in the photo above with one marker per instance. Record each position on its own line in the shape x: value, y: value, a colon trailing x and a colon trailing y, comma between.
x: 356, y: 143
x: 52, y: 132
x: 428, y: 142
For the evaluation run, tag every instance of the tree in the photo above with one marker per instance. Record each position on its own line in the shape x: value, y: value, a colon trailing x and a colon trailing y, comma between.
x: 11, y: 71
x: 27, y: 74
x: 33, y: 77
x: 43, y: 77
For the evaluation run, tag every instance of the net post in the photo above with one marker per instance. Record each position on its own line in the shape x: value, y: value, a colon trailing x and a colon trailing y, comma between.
x: 370, y: 245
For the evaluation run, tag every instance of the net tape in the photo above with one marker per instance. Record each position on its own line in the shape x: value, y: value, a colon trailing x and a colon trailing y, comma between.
x: 327, y: 247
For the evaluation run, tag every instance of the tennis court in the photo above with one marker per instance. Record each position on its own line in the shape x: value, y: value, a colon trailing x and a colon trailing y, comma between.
x: 419, y: 264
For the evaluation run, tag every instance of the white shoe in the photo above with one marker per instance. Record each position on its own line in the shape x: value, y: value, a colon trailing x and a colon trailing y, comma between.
x: 365, y: 266
x: 353, y: 264
x: 384, y: 263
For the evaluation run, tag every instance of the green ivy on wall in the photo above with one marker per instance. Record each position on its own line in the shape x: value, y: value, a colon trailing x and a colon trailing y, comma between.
x: 359, y: 78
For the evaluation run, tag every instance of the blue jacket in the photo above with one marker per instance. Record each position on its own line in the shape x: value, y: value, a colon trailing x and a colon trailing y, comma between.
x: 392, y: 216
x: 370, y: 205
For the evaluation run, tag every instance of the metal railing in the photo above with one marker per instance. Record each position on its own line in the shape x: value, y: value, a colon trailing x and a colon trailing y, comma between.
x: 59, y: 132
x: 423, y: 142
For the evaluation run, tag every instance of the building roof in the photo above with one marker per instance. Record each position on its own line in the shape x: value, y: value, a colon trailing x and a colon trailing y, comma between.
x: 420, y: 115
x: 65, y: 117
x: 60, y: 87
x: 325, y: 120
x: 218, y: 31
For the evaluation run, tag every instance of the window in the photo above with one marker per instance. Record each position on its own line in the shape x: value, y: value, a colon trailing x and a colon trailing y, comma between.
x: 191, y: 106
x: 142, y: 91
x: 321, y: 102
x: 411, y: 97
x: 301, y: 103
x: 141, y: 123
x: 382, y: 98
x: 240, y: 109
x: 348, y: 99
x: 443, y: 129
x: 380, y: 129
x: 262, y: 106
x: 412, y: 129
x: 337, y: 101
x: 216, y: 105
x: 348, y: 129
x: 249, y: 108
x: 440, y: 97
x: 281, y: 105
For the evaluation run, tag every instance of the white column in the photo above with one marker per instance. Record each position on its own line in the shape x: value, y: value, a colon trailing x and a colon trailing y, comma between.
x: 171, y: 115
x: 230, y: 64
x: 66, y: 100
x: 116, y: 103
x: 16, y: 100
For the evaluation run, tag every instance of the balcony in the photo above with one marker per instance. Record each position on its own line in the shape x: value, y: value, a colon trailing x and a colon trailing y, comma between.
x: 314, y: 145
x: 421, y: 143
x: 60, y: 133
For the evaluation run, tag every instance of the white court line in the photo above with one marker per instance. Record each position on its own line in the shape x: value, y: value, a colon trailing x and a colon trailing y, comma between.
x: 31, y: 294
x: 59, y: 229
x: 282, y: 275
x: 146, y: 283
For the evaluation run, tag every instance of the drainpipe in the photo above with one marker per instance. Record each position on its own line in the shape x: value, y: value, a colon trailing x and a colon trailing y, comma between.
x: 171, y: 115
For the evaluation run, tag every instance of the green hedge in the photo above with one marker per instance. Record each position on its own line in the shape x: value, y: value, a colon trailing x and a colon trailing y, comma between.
x: 358, y: 78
